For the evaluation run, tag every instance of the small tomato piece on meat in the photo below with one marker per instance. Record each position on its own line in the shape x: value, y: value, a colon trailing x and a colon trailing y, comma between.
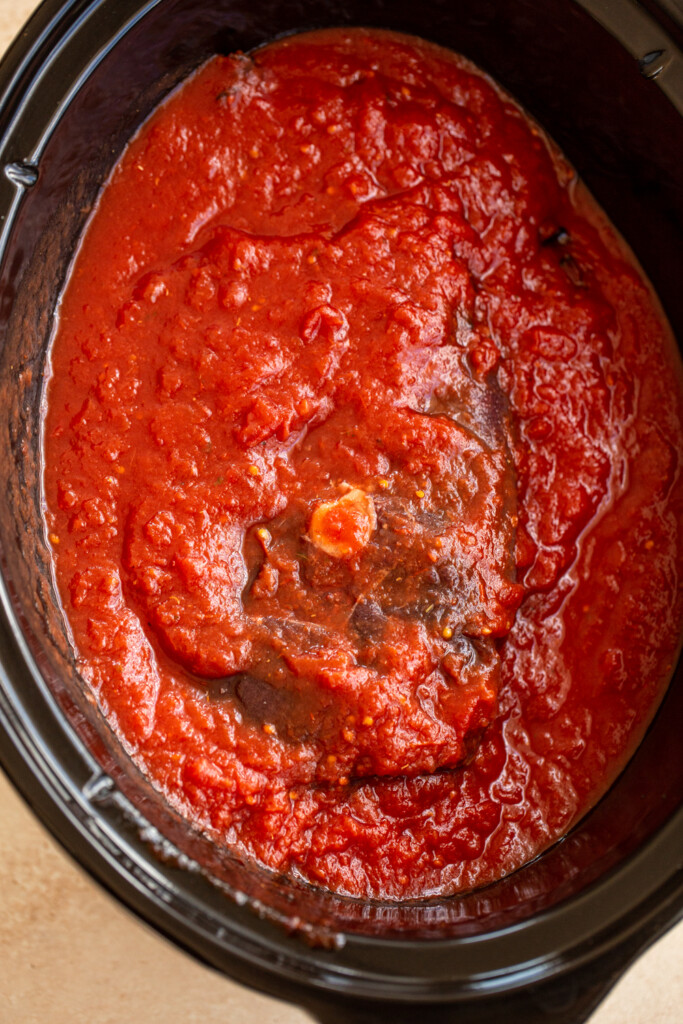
x: 343, y: 527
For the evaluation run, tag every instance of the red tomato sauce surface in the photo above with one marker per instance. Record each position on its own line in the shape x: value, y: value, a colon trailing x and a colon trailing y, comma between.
x: 362, y: 468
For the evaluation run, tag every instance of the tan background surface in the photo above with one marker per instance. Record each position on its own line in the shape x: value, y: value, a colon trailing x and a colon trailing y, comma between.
x: 70, y: 955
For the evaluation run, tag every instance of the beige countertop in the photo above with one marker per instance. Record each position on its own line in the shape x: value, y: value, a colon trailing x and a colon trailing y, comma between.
x: 69, y: 954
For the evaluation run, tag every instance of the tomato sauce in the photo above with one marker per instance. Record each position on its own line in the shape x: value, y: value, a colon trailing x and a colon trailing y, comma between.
x: 362, y: 468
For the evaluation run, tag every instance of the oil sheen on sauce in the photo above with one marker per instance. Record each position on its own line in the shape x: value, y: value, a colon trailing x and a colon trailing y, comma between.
x: 362, y: 468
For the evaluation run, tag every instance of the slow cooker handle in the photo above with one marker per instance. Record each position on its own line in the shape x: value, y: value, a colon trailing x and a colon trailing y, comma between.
x: 569, y: 999
x: 568, y: 1005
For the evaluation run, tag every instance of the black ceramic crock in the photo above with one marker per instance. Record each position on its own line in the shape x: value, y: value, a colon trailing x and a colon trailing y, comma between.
x: 605, y: 78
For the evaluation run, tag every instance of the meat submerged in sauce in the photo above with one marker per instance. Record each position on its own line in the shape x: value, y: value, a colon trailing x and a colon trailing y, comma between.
x: 361, y: 618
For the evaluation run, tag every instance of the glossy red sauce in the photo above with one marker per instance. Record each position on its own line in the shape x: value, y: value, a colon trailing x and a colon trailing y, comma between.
x: 362, y: 468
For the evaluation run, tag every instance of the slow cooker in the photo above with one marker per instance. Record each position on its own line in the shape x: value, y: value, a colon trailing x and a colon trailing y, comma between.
x: 605, y: 78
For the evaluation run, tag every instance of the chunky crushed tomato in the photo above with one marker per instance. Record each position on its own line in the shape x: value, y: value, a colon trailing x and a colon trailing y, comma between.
x: 362, y: 468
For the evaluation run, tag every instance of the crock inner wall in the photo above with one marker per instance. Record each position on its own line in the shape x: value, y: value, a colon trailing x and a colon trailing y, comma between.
x: 612, y: 123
